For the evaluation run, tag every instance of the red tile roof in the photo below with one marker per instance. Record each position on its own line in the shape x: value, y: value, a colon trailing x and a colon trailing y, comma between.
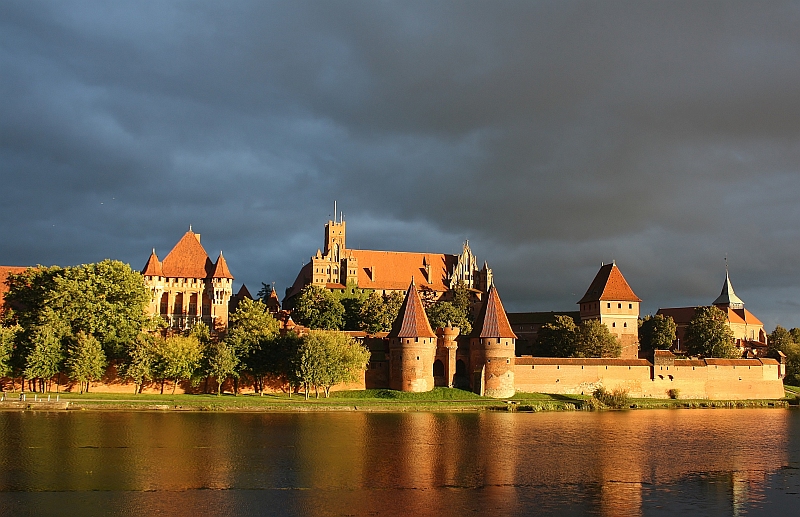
x: 4, y: 272
x: 221, y: 268
x: 492, y: 321
x: 187, y: 259
x: 393, y: 270
x: 741, y: 316
x: 244, y: 293
x: 683, y: 315
x: 609, y: 284
x: 153, y: 266
x: 732, y: 362
x: 589, y: 361
x: 411, y: 320
x: 680, y: 315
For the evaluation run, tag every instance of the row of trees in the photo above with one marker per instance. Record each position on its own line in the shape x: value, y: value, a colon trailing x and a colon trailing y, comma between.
x: 75, y: 321
x: 706, y: 335
x: 563, y: 338
x: 319, y: 308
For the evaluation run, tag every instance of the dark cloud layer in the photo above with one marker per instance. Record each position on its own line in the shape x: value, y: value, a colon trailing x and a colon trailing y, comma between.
x: 555, y: 136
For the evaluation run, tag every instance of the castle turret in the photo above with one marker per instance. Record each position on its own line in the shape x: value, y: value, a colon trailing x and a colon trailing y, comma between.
x: 611, y: 300
x: 492, y: 350
x: 412, y: 347
x: 444, y: 367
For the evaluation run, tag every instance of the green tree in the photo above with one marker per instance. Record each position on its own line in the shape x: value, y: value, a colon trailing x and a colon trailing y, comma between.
x: 28, y: 293
x: 327, y: 358
x: 222, y: 363
x: 795, y: 332
x: 46, y: 352
x: 779, y: 340
x: 8, y: 338
x: 318, y: 308
x: 177, y: 359
x: 252, y: 335
x: 85, y: 360
x: 593, y: 339
x: 656, y: 332
x: 378, y: 312
x: 139, y: 364
x: 708, y: 334
x: 558, y: 339
x: 441, y: 313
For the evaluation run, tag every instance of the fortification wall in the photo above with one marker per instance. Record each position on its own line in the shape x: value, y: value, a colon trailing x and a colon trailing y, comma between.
x: 711, y: 379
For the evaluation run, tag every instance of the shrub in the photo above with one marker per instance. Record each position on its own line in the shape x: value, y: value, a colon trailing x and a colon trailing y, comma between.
x: 616, y: 399
x: 673, y: 393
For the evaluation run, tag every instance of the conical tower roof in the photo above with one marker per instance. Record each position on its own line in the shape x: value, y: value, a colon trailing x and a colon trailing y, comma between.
x: 492, y: 321
x: 411, y: 320
x: 727, y: 296
x: 609, y: 284
x: 153, y: 266
x: 221, y: 268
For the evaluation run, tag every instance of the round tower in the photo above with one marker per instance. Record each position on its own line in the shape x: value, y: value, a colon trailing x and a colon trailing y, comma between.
x: 412, y: 347
x: 492, y: 350
x: 446, y: 345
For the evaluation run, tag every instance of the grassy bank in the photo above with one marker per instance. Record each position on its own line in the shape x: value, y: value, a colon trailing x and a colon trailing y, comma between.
x: 440, y: 399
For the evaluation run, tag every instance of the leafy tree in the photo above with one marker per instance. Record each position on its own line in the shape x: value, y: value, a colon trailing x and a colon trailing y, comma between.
x: 378, y: 312
x: 593, y: 339
x: 779, y: 340
x: 795, y: 332
x: 139, y: 364
x: 656, y: 332
x: 327, y: 358
x: 792, y: 352
x: 85, y: 360
x: 222, y: 363
x: 8, y: 337
x: 441, y: 313
x: 46, y: 353
x: 708, y: 334
x: 318, y: 308
x: 177, y: 359
x: 106, y: 299
x: 252, y: 335
x: 558, y: 339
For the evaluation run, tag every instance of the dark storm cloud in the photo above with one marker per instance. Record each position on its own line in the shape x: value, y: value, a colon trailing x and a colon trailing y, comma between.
x: 553, y: 135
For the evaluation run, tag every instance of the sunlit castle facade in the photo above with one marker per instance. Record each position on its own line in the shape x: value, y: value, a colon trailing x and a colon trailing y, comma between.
x: 337, y: 268
x: 611, y: 300
x: 187, y: 287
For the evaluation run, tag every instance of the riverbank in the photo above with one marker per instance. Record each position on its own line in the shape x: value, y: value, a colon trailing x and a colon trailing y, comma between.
x: 440, y: 399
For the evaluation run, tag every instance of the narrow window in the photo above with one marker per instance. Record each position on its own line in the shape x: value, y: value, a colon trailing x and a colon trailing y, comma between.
x: 619, y: 306
x: 630, y: 306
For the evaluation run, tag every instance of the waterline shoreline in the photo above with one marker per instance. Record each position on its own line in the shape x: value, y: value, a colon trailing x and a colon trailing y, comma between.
x: 445, y: 400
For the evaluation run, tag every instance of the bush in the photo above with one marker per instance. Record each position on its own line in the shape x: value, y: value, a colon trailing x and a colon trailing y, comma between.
x: 673, y: 393
x: 617, y: 399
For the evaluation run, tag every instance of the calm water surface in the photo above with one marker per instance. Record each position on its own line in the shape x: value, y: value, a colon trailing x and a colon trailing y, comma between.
x: 655, y: 462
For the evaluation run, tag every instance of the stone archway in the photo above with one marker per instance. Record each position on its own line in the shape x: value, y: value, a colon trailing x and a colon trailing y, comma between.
x: 438, y: 373
x: 461, y: 379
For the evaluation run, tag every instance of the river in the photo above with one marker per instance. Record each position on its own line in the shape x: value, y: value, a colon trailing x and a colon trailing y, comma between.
x: 646, y: 462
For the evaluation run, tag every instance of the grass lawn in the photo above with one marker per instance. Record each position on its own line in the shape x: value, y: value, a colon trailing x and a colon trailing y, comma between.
x: 439, y: 399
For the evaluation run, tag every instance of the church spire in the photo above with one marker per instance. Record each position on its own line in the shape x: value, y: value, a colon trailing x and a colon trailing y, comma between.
x: 728, y: 297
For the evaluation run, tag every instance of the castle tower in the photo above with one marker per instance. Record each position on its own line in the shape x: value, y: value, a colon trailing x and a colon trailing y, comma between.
x: 444, y: 367
x: 187, y: 287
x: 611, y: 300
x: 412, y: 347
x: 492, y: 347
x: 727, y: 298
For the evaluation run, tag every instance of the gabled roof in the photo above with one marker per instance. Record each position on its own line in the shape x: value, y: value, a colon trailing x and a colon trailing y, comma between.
x: 609, y: 284
x: 727, y: 296
x: 492, y: 320
x: 411, y: 320
x: 741, y: 316
x: 153, y: 266
x: 4, y: 272
x: 187, y: 259
x: 221, y: 268
x: 244, y: 293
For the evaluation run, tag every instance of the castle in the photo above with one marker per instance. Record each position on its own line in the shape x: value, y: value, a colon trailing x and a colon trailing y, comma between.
x: 187, y: 287
x: 337, y: 268
x: 419, y: 359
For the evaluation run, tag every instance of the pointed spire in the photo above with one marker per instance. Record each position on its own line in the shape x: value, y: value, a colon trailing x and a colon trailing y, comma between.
x: 221, y: 268
x: 728, y: 297
x: 492, y: 321
x: 411, y: 320
x: 153, y: 266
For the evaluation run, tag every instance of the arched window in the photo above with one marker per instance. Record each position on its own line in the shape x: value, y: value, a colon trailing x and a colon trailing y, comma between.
x: 438, y: 368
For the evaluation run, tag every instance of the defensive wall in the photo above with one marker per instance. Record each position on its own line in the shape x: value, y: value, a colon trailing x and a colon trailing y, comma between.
x: 715, y: 379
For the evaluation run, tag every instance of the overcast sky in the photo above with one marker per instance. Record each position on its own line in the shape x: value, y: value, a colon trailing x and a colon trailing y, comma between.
x: 553, y: 135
